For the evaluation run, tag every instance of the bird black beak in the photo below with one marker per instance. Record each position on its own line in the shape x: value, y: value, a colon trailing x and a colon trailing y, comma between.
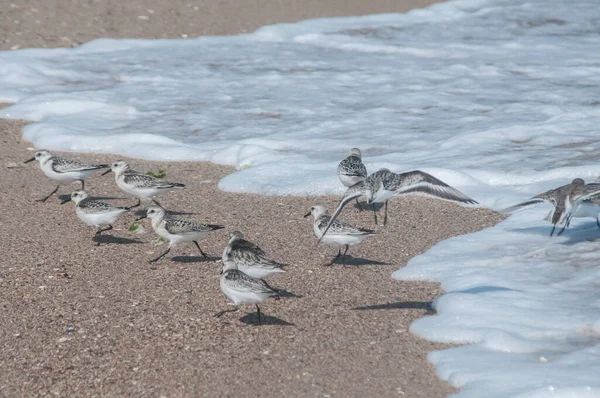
x: 141, y: 217
x: 106, y: 172
x: 307, y: 214
x: 65, y: 201
x: 29, y: 160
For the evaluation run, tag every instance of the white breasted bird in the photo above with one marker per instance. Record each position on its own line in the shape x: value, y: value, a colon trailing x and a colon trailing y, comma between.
x: 340, y: 233
x: 243, y: 289
x: 139, y: 185
x: 63, y: 169
x: 177, y: 230
x: 95, y: 213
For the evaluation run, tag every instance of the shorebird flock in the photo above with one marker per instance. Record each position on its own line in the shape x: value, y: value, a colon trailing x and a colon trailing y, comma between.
x: 246, y: 265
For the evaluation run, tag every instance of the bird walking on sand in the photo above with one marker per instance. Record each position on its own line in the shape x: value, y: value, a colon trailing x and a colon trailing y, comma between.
x: 63, y: 169
x: 568, y: 200
x: 340, y: 233
x: 241, y: 288
x: 139, y: 185
x: 249, y: 258
x: 95, y: 213
x: 351, y: 170
x: 177, y: 230
x: 380, y: 186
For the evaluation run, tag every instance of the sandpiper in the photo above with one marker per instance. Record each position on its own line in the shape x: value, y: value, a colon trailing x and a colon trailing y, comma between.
x: 63, y: 169
x: 568, y: 200
x: 380, y: 186
x: 249, y: 258
x: 95, y: 213
x: 177, y: 230
x: 340, y: 233
x: 139, y: 185
x: 241, y: 288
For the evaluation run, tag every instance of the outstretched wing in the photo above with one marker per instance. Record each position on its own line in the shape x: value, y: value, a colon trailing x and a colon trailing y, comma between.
x: 353, y: 192
x: 546, y: 197
x: 423, y: 183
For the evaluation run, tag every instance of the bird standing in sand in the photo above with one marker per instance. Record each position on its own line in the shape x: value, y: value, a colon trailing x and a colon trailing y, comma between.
x: 95, y: 213
x: 139, y: 185
x: 241, y: 288
x: 340, y: 234
x: 63, y: 169
x: 177, y: 230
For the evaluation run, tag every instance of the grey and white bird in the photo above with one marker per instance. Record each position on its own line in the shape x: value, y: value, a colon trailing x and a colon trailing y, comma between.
x: 241, y: 288
x: 576, y: 199
x: 140, y: 185
x: 177, y: 230
x: 249, y: 258
x: 95, y: 213
x: 63, y: 169
x: 382, y: 185
x: 351, y: 169
x: 340, y: 233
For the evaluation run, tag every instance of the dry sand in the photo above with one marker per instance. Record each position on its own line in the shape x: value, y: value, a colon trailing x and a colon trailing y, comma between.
x: 148, y: 330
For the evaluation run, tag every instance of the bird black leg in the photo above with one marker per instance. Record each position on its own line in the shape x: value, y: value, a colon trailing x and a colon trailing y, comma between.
x: 82, y: 184
x: 50, y: 194
x: 598, y: 222
x: 335, y: 258
x: 161, y: 256
x: 567, y: 223
x: 220, y: 313
x: 553, y: 228
x: 158, y: 204
x: 358, y: 205
x: 198, y: 246
x: 345, y: 251
x: 99, y: 232
x: 258, y: 312
x: 135, y: 205
x: 374, y: 213
x: 385, y: 216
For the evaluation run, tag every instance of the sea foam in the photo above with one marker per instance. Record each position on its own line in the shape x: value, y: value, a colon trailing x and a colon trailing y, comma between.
x: 498, y: 98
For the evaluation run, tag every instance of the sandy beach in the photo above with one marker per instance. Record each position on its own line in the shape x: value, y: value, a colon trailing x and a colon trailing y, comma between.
x: 83, y: 320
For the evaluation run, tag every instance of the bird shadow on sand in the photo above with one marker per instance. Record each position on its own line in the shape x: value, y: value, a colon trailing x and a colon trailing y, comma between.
x: 287, y: 293
x: 252, y: 319
x: 66, y: 196
x: 110, y: 239
x: 400, y: 305
x: 363, y: 206
x: 350, y: 261
x: 194, y: 259
x: 139, y: 212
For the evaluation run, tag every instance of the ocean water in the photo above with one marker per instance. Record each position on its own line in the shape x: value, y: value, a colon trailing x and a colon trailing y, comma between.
x: 499, y: 98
